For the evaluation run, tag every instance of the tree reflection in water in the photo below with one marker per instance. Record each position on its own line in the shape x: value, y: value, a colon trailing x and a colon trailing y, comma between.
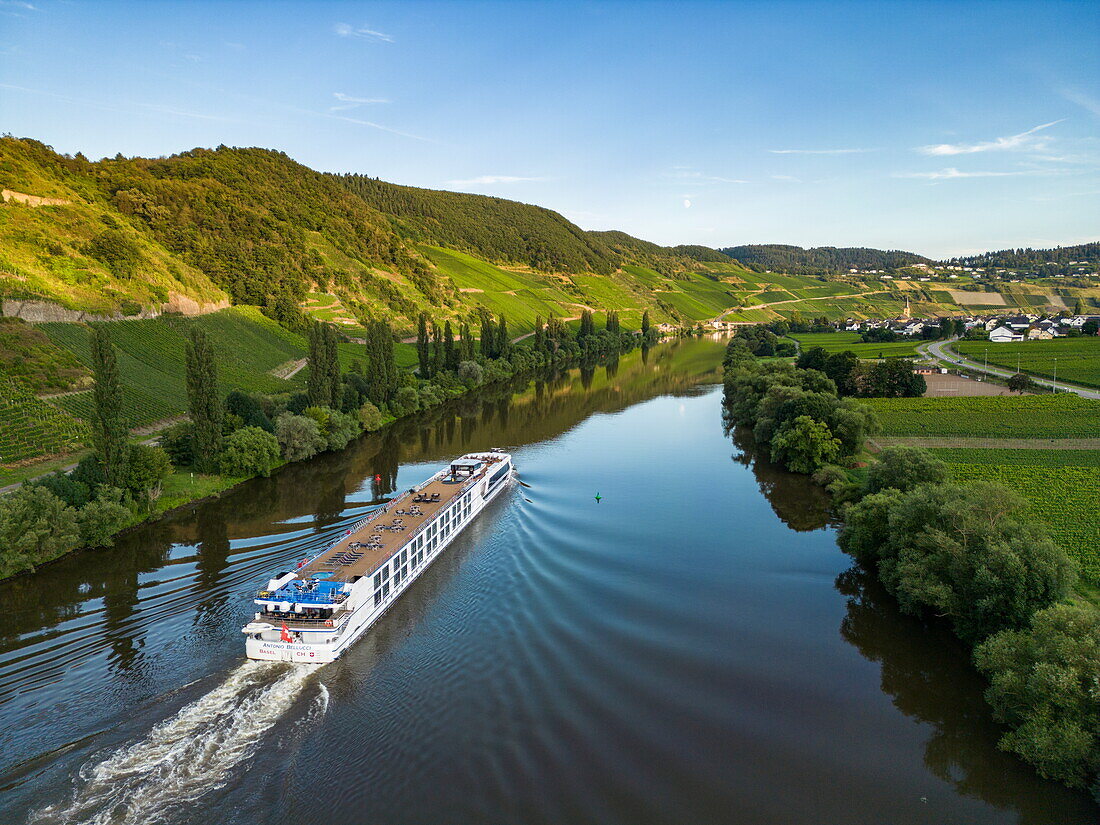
x: 927, y: 673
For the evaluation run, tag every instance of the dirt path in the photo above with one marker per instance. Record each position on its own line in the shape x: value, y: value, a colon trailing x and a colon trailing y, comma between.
x: 726, y: 312
x: 290, y: 369
x: 880, y: 441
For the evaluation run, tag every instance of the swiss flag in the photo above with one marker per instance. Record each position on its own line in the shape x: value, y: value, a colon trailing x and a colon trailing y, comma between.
x: 286, y: 634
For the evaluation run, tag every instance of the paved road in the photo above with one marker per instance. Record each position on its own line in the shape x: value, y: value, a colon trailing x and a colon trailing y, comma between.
x: 937, y: 350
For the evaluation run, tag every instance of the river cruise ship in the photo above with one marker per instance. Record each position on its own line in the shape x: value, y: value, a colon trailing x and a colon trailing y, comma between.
x: 315, y: 612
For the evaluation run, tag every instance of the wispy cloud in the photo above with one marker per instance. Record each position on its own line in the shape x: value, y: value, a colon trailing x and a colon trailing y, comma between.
x: 488, y: 180
x: 363, y: 33
x: 349, y: 102
x: 7, y: 7
x: 686, y: 173
x: 379, y: 126
x: 819, y: 151
x: 1024, y: 140
x: 1083, y: 100
x: 951, y: 173
x: 787, y: 178
x: 168, y: 110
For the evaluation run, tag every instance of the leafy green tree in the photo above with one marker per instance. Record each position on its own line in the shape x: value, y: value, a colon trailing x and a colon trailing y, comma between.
x: 612, y: 322
x: 381, y: 363
x: 903, y: 468
x: 814, y: 358
x: 299, y: 436
x: 203, y: 403
x: 406, y: 402
x: 146, y: 469
x: 423, y: 353
x: 102, y: 517
x: 35, y: 526
x: 645, y: 323
x: 332, y: 367
x: 250, y: 451
x: 843, y: 368
x: 370, y: 417
x: 467, y: 350
x: 1078, y: 307
x: 450, y: 351
x: 471, y: 373
x: 503, y: 342
x: 317, y: 381
x: 117, y: 250
x: 804, y: 444
x: 959, y: 551
x: 487, y: 335
x: 438, y: 356
x: 1021, y: 382
x: 342, y: 429
x: 73, y: 492
x: 1043, y: 684
x: 1090, y: 327
x: 108, y: 428
x: 587, y: 326
x: 248, y: 409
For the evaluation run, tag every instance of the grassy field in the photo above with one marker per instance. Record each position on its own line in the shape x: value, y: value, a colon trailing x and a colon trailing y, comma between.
x: 1061, y: 487
x: 1030, y: 416
x: 1078, y: 358
x: 843, y: 341
x: 150, y: 354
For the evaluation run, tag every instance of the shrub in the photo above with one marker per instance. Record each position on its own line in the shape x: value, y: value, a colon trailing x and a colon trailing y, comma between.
x: 370, y: 417
x: 405, y: 402
x: 342, y: 428
x: 903, y: 468
x: 298, y: 436
x: 72, y: 492
x: 102, y: 517
x: 804, y: 444
x: 146, y: 469
x: 250, y: 451
x: 35, y: 526
x: 1045, y: 686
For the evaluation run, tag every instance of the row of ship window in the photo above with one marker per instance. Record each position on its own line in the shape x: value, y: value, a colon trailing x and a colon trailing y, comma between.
x: 423, y: 545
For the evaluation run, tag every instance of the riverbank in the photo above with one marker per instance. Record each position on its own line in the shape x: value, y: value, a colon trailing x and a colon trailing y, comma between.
x: 563, y: 635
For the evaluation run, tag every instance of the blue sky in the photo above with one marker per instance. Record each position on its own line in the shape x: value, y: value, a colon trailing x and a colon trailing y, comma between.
x: 943, y: 128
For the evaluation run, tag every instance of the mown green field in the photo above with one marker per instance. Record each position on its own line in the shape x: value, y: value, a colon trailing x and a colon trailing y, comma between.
x: 247, y: 345
x: 1078, y: 359
x: 1064, y: 415
x: 843, y: 341
x: 1061, y: 487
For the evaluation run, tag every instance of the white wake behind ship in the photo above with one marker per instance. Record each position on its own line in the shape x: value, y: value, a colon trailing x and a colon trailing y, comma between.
x: 315, y: 612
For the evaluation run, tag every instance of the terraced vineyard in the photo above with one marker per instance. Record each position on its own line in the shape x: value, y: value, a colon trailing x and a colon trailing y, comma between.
x: 843, y: 341
x: 1064, y: 415
x: 1062, y: 488
x: 1078, y: 359
x: 30, y: 427
x: 151, y: 359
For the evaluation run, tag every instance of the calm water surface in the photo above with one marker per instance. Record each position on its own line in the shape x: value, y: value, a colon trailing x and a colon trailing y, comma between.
x: 693, y: 648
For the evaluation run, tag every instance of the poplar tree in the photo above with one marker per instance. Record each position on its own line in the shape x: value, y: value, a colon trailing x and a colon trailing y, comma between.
x: 317, y: 383
x: 450, y: 351
x: 587, y: 327
x: 645, y: 323
x: 204, y: 405
x: 540, y: 335
x: 503, y: 342
x: 108, y: 429
x: 467, y: 342
x: 437, y: 349
x: 381, y: 366
x: 422, y: 352
x: 487, y: 334
x: 332, y: 367
x: 612, y: 324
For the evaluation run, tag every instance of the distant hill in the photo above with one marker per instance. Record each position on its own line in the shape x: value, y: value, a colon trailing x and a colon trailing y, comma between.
x: 494, y: 229
x: 820, y: 260
x: 1059, y: 260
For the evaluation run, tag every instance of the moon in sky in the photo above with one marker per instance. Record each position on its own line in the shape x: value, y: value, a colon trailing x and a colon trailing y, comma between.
x: 687, y: 204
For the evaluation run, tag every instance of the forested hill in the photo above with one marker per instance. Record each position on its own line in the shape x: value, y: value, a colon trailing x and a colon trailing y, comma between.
x: 495, y: 229
x: 255, y: 223
x: 820, y: 260
x: 1059, y: 257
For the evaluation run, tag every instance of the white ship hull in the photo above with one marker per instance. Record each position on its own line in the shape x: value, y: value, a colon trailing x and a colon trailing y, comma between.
x: 326, y: 644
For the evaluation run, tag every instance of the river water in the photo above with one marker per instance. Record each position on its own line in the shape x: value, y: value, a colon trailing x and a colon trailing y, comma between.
x: 693, y: 648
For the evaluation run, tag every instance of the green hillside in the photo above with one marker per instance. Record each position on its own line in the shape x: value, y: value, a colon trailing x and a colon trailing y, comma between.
x: 248, y: 347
